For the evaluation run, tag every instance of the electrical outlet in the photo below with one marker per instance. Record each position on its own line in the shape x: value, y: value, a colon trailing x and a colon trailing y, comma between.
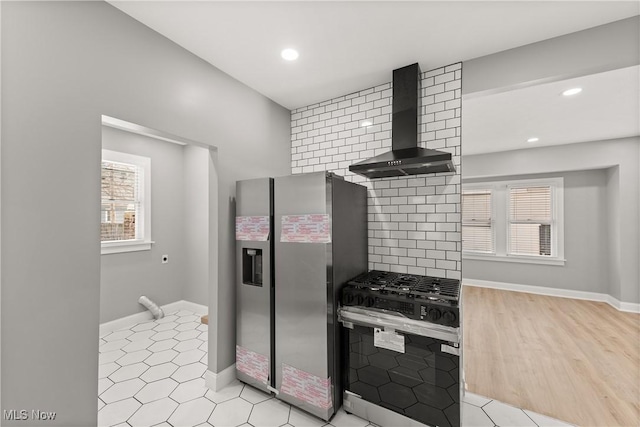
x: 165, y: 259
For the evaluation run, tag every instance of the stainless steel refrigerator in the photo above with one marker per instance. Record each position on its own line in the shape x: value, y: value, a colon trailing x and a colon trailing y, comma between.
x: 288, y: 336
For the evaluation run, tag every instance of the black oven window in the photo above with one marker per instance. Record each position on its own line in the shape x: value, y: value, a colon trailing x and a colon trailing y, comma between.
x: 422, y: 383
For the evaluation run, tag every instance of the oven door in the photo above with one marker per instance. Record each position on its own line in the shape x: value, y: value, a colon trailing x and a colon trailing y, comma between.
x: 394, y: 363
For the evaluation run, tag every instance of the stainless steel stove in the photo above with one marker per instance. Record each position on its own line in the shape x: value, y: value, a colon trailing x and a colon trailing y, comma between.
x: 404, y: 359
x: 432, y: 299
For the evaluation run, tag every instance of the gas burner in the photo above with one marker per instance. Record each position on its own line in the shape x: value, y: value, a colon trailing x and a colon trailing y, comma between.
x: 431, y: 299
x: 407, y: 278
x: 416, y: 286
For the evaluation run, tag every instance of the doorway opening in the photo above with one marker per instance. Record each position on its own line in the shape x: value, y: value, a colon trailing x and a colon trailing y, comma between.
x: 158, y: 239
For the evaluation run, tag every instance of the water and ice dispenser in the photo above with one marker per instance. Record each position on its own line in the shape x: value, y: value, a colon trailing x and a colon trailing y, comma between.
x: 252, y: 266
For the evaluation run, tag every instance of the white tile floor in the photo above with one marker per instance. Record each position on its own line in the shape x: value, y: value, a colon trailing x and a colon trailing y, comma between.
x: 152, y: 374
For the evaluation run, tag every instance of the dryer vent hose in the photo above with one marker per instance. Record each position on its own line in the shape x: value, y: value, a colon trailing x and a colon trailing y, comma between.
x: 152, y: 307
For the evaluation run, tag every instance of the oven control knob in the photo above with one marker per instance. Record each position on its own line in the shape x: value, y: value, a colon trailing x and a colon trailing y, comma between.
x: 449, y: 317
x: 347, y: 298
x: 369, y: 301
x: 434, y: 314
x: 359, y: 300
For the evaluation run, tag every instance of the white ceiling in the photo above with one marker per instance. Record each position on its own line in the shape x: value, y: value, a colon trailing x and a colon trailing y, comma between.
x: 352, y: 45
x: 608, y: 107
x: 348, y: 46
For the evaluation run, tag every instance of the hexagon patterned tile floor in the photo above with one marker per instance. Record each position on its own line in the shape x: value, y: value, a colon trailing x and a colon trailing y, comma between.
x: 152, y: 374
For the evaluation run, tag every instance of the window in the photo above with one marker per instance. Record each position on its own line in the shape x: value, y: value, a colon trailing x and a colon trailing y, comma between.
x: 517, y: 221
x: 125, y: 220
x: 477, y: 226
x: 530, y: 220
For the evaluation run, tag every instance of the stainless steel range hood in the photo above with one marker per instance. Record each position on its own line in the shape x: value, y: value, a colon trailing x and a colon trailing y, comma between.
x: 406, y: 157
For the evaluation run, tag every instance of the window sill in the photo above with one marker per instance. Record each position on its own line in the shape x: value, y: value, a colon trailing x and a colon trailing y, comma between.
x: 514, y: 258
x: 124, y: 246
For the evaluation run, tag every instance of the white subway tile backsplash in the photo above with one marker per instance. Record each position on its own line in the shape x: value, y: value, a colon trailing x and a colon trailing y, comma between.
x: 408, y: 209
x: 436, y: 254
x: 410, y: 226
x: 417, y: 217
x: 426, y: 226
x: 437, y: 272
x: 414, y: 222
x: 407, y: 261
x: 445, y: 96
x: 435, y: 107
x: 390, y: 259
x: 432, y: 90
x: 442, y: 78
x: 453, y: 85
x: 454, y: 256
x: 400, y: 252
x: 408, y: 191
x: 426, y: 244
x: 426, y: 262
x: 410, y: 244
x: 416, y: 235
x: 432, y: 73
x: 453, y: 67
x: 416, y: 253
x: 446, y: 265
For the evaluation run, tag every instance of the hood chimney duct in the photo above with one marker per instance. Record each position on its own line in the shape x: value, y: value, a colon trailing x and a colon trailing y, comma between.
x: 406, y: 156
x: 407, y: 91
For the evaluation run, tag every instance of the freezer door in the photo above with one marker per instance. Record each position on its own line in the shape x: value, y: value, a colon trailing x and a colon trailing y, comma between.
x: 302, y: 303
x: 254, y: 286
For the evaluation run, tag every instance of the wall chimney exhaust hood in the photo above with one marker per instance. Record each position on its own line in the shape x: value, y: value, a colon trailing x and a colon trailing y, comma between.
x: 406, y: 157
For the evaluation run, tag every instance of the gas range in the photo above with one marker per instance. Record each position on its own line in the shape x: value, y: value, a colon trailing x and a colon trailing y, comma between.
x: 426, y: 298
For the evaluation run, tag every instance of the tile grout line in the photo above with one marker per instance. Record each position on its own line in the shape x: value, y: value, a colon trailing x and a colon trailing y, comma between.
x: 527, y: 415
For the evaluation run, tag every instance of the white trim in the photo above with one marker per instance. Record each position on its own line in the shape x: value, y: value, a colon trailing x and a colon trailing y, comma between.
x: 500, y: 220
x: 198, y: 309
x: 554, y: 292
x: 141, y: 130
x: 492, y: 218
x: 145, y: 316
x: 513, y: 258
x: 629, y: 307
x: 124, y: 125
x: 557, y: 213
x: 116, y: 247
x: 217, y: 382
x: 143, y: 215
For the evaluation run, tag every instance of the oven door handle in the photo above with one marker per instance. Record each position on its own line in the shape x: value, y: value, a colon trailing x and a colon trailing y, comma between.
x: 371, y: 319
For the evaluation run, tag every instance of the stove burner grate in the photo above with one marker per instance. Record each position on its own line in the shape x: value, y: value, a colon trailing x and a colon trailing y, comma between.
x: 413, y: 285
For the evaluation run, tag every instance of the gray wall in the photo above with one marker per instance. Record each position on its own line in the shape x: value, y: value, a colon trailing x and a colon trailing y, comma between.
x: 603, y: 48
x: 63, y: 66
x: 607, y: 47
x: 585, y: 235
x: 0, y: 213
x: 613, y: 230
x: 126, y: 276
x: 196, y: 224
x: 622, y: 194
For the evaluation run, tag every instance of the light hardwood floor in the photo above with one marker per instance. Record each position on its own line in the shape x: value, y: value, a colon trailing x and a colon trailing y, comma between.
x: 577, y: 361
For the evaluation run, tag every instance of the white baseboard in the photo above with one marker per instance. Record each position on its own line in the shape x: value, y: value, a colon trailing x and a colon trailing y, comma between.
x: 217, y: 382
x: 629, y: 307
x: 146, y: 315
x: 554, y: 292
x: 198, y: 309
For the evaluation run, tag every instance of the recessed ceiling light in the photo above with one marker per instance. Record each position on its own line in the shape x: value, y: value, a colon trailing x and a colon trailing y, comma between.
x: 289, y: 54
x: 366, y: 123
x: 572, y: 91
x: 534, y: 139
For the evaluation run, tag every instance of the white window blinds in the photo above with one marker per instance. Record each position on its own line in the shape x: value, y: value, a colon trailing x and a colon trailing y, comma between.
x: 530, y: 220
x: 121, y: 201
x: 477, y: 230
